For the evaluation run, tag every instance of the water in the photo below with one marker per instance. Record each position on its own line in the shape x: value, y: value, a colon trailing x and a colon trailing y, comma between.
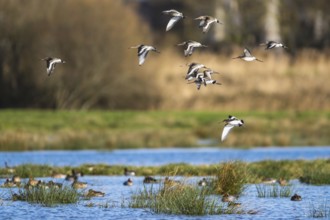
x: 116, y: 193
x: 155, y: 157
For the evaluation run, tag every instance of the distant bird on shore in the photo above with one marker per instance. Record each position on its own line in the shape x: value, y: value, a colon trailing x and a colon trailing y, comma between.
x: 143, y: 51
x: 247, y: 56
x: 191, y: 45
x: 176, y: 16
x: 129, y: 172
x: 230, y: 122
x: 206, y: 21
x: 51, y: 63
x: 8, y: 168
x: 273, y: 44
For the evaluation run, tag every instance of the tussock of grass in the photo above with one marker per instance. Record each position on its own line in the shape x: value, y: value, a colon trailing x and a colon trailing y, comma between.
x: 274, y: 190
x: 316, y: 174
x: 230, y: 178
x: 179, y: 199
x: 47, y: 196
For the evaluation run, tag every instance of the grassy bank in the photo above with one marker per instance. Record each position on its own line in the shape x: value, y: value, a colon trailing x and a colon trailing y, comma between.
x: 256, y: 172
x: 39, y: 130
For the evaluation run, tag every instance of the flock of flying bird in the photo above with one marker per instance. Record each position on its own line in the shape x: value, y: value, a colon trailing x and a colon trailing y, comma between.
x: 197, y: 73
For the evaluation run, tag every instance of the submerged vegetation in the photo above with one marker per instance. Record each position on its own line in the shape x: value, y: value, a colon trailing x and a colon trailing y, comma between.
x: 240, y: 172
x: 38, y: 130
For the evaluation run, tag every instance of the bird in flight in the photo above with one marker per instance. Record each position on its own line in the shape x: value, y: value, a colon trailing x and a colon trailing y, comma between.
x: 230, y: 122
x: 206, y: 21
x: 51, y: 63
x: 273, y: 44
x: 176, y: 16
x: 191, y: 45
x: 143, y: 51
x: 247, y: 56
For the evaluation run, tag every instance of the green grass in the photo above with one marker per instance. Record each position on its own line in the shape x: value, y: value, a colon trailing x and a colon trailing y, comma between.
x: 230, y: 178
x: 316, y: 174
x: 38, y: 129
x: 312, y: 172
x: 47, y: 196
x: 274, y: 190
x: 179, y: 199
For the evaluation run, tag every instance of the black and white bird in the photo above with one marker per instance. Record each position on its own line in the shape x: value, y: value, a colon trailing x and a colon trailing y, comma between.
x: 176, y: 16
x: 51, y: 63
x: 273, y: 44
x: 247, y: 56
x: 230, y: 122
x: 143, y: 51
x: 193, y: 70
x: 206, y: 21
x: 191, y: 45
x: 208, y: 73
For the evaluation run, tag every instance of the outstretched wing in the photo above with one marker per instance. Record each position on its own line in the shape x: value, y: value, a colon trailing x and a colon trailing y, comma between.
x: 247, y: 53
x: 189, y: 50
x: 142, y: 56
x: 206, y: 27
x: 226, y: 131
x: 172, y: 22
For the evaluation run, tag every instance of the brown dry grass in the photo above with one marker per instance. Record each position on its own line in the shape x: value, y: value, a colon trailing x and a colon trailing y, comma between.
x: 276, y: 84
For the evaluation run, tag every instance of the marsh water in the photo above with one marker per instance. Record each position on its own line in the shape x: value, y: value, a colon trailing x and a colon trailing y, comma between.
x: 114, y: 204
x: 155, y: 157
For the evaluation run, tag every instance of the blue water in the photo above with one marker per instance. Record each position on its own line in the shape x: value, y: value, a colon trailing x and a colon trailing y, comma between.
x: 152, y: 157
x: 117, y: 194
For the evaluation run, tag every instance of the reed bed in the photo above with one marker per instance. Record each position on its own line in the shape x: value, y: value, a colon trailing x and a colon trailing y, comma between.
x: 47, y: 196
